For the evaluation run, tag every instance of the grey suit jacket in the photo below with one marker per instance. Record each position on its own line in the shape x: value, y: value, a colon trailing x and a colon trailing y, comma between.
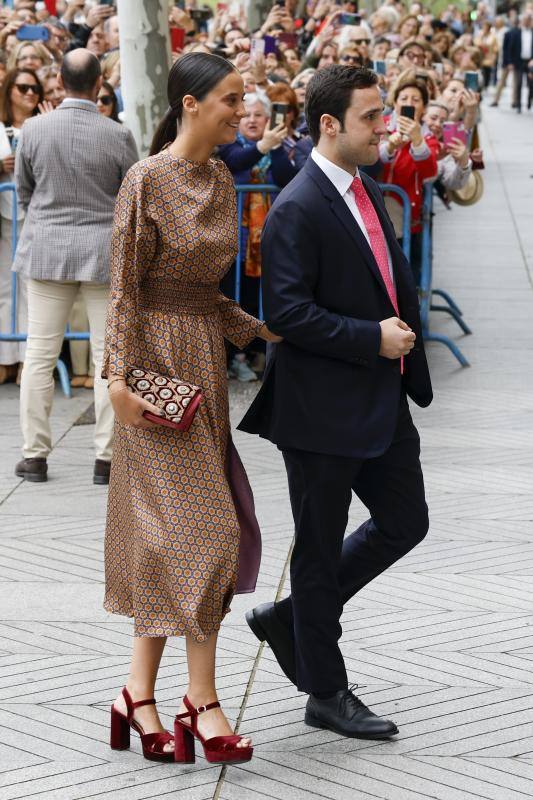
x: 68, y: 170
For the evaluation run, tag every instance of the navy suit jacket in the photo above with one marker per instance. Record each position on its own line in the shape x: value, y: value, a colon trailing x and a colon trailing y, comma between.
x: 514, y: 46
x: 326, y: 389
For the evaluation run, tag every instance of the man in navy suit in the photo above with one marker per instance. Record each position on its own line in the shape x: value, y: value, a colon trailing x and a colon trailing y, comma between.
x: 340, y: 292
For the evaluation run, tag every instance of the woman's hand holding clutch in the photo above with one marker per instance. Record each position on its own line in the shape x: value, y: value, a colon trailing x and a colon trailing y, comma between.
x: 268, y: 336
x: 128, y: 407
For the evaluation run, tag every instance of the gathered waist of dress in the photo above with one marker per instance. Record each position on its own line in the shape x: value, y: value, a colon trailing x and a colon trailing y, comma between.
x: 179, y: 298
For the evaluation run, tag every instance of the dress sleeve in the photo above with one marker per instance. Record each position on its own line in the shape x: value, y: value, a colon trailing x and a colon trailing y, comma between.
x: 133, y: 244
x: 238, y: 326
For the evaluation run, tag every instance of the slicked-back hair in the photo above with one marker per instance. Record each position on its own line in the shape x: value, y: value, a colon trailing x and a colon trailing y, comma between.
x: 330, y: 92
x: 80, y: 78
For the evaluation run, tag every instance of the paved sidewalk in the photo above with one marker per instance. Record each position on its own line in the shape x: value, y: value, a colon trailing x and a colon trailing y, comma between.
x: 442, y: 643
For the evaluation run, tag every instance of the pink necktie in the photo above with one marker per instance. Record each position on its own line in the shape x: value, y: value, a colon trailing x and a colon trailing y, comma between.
x: 378, y: 244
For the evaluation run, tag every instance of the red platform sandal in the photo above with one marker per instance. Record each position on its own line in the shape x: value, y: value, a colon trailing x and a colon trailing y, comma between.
x: 218, y: 749
x: 153, y: 744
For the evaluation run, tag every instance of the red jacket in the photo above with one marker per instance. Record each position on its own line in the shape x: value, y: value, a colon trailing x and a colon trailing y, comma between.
x: 409, y: 174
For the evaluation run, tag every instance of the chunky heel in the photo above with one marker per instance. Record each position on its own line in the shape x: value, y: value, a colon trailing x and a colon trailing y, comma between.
x: 120, y: 730
x: 217, y: 749
x: 183, y: 745
x: 153, y: 744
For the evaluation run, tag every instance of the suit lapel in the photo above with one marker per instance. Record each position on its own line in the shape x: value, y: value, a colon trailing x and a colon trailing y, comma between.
x: 345, y: 217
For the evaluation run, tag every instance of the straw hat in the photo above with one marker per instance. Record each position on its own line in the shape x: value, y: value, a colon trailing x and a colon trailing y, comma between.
x: 471, y: 192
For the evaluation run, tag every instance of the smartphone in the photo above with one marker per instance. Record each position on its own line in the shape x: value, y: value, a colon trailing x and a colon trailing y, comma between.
x: 290, y: 40
x: 106, y: 2
x: 407, y: 111
x: 380, y: 68
x: 200, y: 14
x: 439, y: 68
x: 472, y: 81
x: 279, y: 112
x: 180, y: 4
x: 280, y: 3
x: 453, y: 130
x: 33, y: 33
x: 177, y: 39
x: 270, y: 45
x: 257, y: 48
x: 350, y: 19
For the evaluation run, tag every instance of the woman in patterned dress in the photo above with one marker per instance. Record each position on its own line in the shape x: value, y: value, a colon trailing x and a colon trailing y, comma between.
x: 181, y: 533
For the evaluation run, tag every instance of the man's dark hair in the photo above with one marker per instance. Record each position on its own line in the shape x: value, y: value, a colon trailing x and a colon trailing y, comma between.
x: 80, y: 74
x: 330, y: 92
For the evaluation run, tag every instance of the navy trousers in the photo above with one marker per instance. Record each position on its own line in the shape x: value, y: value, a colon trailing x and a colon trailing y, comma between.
x: 326, y: 568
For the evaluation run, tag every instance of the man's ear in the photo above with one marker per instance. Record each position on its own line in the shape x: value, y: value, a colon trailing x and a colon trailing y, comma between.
x: 329, y: 125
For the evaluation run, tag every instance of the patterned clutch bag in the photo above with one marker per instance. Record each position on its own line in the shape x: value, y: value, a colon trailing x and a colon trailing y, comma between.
x: 177, y: 400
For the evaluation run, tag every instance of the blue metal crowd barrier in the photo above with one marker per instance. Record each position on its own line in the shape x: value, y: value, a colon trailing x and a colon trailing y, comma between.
x: 242, y: 190
x: 426, y: 287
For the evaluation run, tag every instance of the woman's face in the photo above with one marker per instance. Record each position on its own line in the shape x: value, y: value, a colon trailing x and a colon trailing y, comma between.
x: 453, y: 88
x: 254, y: 122
x: 379, y: 53
x: 104, y: 102
x: 410, y: 96
x: 52, y: 91
x: 300, y: 87
x: 218, y: 115
x: 408, y: 29
x: 249, y: 82
x: 28, y: 58
x: 25, y: 94
x: 435, y: 118
x: 291, y: 57
x: 329, y: 56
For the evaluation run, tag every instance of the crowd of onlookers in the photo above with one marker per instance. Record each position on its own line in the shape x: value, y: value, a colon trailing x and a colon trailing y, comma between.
x: 433, y: 72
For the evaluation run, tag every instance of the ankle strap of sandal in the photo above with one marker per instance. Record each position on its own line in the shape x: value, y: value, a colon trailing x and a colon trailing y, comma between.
x: 193, y: 712
x: 131, y: 706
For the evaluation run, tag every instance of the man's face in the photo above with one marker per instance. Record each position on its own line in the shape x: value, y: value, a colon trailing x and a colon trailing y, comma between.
x: 97, y: 41
x: 112, y: 33
x: 363, y: 128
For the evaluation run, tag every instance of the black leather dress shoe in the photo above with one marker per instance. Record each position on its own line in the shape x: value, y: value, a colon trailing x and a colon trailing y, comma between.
x: 32, y: 469
x: 102, y: 470
x: 268, y: 627
x: 346, y: 715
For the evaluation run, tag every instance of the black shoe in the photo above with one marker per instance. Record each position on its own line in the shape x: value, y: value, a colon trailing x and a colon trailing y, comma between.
x: 494, y: 104
x: 346, y: 715
x: 32, y: 469
x: 268, y: 627
x: 101, y: 472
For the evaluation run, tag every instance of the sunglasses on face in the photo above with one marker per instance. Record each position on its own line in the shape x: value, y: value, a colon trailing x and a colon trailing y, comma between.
x: 361, y: 41
x: 24, y: 88
x: 351, y: 59
x: 105, y: 100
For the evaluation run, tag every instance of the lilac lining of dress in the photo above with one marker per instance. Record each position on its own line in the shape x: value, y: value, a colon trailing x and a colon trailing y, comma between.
x: 243, y: 499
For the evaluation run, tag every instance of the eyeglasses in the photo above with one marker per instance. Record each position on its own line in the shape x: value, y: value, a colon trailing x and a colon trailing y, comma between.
x: 412, y: 56
x: 361, y: 41
x: 105, y: 100
x: 24, y: 88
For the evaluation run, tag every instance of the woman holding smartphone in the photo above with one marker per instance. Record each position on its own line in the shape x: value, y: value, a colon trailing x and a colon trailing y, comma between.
x: 181, y: 534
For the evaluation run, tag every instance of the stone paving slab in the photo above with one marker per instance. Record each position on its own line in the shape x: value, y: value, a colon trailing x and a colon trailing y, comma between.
x: 442, y: 642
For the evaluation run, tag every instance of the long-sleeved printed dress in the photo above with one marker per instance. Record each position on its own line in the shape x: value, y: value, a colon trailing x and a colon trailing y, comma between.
x: 181, y: 532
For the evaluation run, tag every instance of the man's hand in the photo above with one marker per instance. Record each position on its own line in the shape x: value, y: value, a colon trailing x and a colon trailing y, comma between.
x: 9, y: 163
x: 98, y: 14
x: 397, y: 338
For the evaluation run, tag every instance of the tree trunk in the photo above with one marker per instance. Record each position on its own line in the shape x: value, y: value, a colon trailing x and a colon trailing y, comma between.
x: 144, y: 66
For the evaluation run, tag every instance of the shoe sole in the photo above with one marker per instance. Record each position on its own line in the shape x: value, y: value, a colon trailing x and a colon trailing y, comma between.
x: 259, y: 631
x: 32, y: 478
x: 313, y: 722
x: 100, y: 480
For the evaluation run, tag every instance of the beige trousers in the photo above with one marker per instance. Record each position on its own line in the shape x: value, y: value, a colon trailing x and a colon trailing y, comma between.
x: 49, y: 306
x: 80, y: 350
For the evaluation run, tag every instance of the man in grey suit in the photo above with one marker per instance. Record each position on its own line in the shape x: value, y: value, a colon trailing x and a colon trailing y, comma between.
x: 69, y: 167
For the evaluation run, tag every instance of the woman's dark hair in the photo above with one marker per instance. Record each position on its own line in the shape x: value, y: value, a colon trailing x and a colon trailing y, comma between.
x: 412, y: 84
x: 330, y: 92
x: 114, y: 106
x: 6, y: 108
x: 195, y: 74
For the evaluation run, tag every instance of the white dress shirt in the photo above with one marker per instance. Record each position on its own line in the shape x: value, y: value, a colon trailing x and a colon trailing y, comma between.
x: 527, y: 44
x: 342, y: 181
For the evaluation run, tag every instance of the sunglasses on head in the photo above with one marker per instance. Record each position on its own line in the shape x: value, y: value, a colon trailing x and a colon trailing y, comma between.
x: 105, y: 100
x: 24, y: 88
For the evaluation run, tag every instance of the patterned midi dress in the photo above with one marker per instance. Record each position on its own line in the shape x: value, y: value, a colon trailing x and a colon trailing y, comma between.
x: 181, y: 533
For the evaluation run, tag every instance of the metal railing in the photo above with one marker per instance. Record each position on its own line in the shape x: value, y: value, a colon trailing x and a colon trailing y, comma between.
x: 426, y: 290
